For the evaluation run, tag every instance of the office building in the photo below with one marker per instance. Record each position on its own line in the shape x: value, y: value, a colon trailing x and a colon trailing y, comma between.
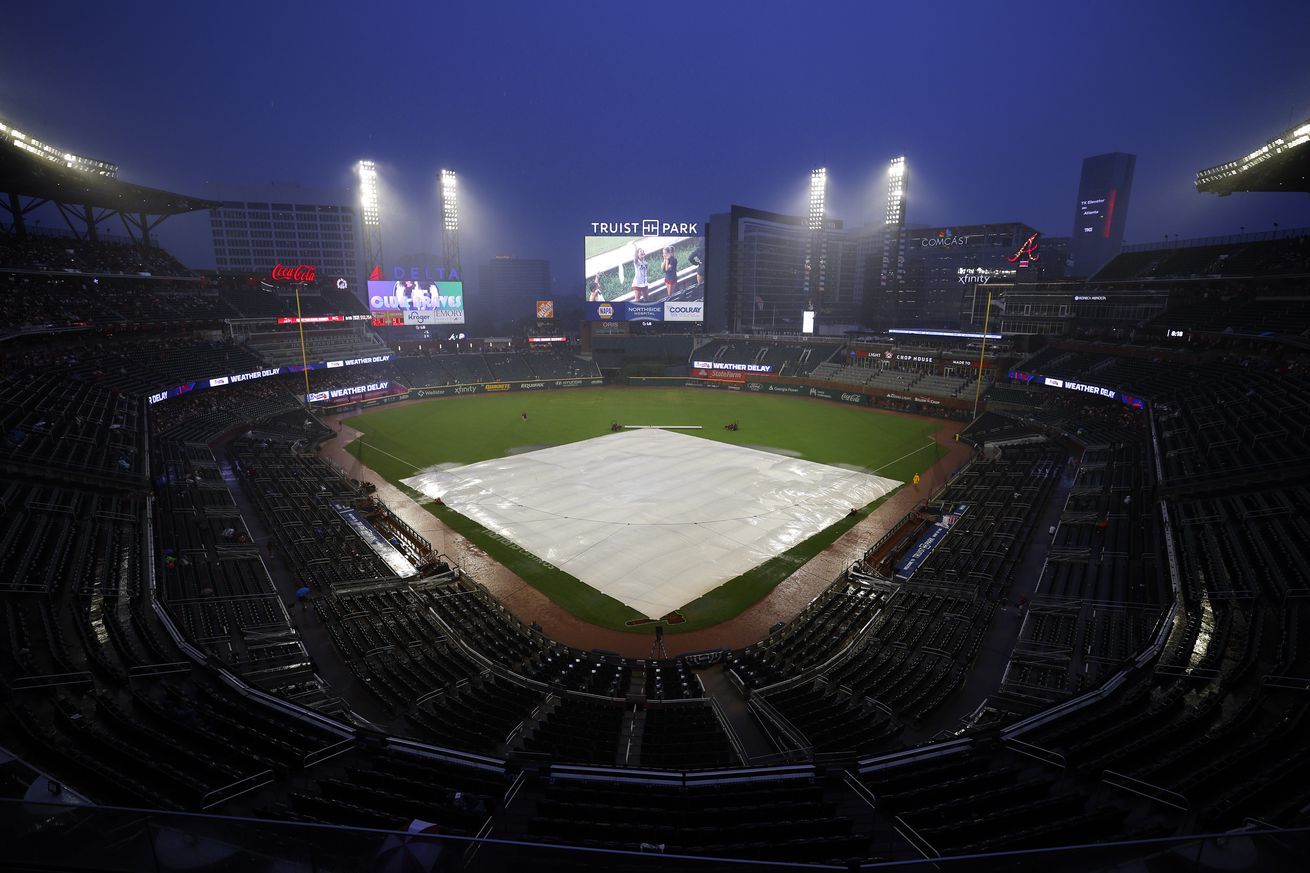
x: 1101, y: 213
x: 257, y: 228
x: 508, y: 289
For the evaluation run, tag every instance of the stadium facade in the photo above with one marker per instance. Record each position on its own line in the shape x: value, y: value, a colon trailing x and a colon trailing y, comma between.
x: 943, y: 273
x: 256, y: 228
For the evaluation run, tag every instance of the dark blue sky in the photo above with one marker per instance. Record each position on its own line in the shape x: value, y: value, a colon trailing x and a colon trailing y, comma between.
x: 557, y: 114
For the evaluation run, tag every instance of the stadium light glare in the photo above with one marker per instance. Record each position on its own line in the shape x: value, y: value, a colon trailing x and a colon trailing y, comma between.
x: 32, y: 146
x: 449, y: 200
x: 1275, y: 147
x: 818, y: 197
x: 896, y: 178
x: 368, y: 192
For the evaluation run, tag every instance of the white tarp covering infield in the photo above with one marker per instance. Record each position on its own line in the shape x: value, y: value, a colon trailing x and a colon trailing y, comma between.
x: 652, y: 518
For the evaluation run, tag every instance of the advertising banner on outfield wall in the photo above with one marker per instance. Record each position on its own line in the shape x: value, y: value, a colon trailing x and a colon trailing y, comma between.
x: 501, y: 387
x: 843, y: 396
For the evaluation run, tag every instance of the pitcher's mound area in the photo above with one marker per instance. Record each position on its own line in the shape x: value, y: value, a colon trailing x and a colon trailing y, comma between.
x: 652, y: 518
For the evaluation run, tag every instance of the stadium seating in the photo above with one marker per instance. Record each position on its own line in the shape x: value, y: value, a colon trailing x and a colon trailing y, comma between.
x: 148, y: 657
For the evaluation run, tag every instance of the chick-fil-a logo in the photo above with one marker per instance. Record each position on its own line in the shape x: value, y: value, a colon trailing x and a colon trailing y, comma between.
x: 302, y: 273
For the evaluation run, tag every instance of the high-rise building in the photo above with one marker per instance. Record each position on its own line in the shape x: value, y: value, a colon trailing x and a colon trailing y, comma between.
x: 1102, y: 211
x: 508, y: 289
x: 942, y: 273
x: 757, y: 272
x: 258, y: 228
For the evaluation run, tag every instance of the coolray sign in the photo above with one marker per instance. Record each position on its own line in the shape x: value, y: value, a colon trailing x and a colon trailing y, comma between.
x: 730, y: 365
x: 352, y: 391
x: 301, y: 273
x: 645, y: 227
x: 692, y: 310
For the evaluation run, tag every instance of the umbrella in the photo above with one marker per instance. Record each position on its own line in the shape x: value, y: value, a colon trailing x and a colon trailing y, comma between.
x: 302, y: 592
x: 405, y: 854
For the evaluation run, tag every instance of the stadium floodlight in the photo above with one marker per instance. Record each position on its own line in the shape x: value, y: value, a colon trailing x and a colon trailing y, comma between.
x: 1231, y: 175
x: 29, y: 144
x: 371, y: 216
x: 449, y: 201
x: 818, y: 197
x: 896, y: 179
x: 368, y: 192
x: 450, y: 217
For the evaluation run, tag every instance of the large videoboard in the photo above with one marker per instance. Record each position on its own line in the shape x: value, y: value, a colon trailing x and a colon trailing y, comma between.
x: 417, y: 302
x: 644, y: 271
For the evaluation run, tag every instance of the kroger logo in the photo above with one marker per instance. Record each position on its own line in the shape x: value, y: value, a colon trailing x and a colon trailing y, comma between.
x: 755, y: 386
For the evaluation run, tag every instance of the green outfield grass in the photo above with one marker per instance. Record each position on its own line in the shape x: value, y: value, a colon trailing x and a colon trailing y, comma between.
x: 399, y: 441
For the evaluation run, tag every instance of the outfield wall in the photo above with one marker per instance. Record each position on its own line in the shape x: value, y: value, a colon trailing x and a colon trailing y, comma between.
x: 475, y: 388
x: 884, y: 399
x: 944, y: 407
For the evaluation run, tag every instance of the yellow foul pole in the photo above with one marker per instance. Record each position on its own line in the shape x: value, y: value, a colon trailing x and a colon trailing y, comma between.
x: 977, y: 391
x: 304, y: 362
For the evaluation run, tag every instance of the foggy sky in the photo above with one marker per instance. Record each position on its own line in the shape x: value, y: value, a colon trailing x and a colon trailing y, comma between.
x: 558, y: 114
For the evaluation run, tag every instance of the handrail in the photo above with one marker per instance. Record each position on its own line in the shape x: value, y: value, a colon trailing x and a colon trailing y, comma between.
x: 1157, y: 793
x: 236, y: 789
x: 731, y: 734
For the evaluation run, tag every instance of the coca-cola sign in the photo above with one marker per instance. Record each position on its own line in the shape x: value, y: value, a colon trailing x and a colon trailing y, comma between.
x: 302, y: 273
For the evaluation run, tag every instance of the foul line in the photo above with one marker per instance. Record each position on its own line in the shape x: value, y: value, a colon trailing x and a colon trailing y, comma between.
x: 388, y: 454
x: 931, y: 442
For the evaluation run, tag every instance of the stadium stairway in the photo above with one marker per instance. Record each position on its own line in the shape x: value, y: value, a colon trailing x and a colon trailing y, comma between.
x: 736, y: 714
x: 998, y: 643
x: 304, y: 618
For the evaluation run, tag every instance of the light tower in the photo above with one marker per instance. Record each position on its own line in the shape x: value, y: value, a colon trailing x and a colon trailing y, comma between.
x: 450, y: 221
x: 816, y: 249
x: 897, y: 177
x: 893, y: 238
x: 371, y: 214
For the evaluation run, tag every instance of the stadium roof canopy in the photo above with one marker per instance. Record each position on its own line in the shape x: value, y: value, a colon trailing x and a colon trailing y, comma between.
x: 1282, y: 164
x: 86, y: 190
